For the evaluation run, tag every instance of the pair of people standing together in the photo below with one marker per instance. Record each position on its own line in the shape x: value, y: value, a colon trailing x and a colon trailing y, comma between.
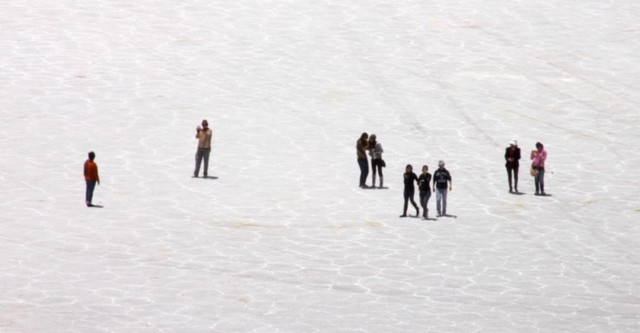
x: 512, y: 158
x: 442, y: 183
x: 374, y: 147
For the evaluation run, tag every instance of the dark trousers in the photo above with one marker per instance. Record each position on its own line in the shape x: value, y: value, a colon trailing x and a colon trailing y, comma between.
x: 91, y: 185
x: 202, y: 153
x: 364, y: 170
x: 539, y: 180
x: 514, y: 171
x: 424, y: 200
x: 376, y: 164
x: 408, y: 196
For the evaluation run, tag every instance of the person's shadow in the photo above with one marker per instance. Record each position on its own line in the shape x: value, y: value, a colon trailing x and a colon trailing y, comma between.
x: 95, y: 206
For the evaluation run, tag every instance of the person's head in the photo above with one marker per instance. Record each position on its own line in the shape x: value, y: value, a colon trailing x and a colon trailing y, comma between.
x: 409, y: 168
x: 364, y: 136
x: 92, y: 155
x: 372, y: 137
x: 441, y: 164
x: 425, y: 169
x: 205, y: 123
x: 513, y: 143
x: 539, y: 146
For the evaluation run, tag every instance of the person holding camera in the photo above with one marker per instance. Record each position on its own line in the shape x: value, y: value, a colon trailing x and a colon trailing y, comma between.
x: 203, y: 134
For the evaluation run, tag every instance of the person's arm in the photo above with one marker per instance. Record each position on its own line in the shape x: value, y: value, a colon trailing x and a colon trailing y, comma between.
x: 450, y: 182
x: 97, y: 174
x: 85, y: 168
x: 433, y: 185
x: 198, y: 129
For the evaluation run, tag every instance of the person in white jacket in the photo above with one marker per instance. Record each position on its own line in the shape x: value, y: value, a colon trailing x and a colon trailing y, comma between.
x: 375, y: 151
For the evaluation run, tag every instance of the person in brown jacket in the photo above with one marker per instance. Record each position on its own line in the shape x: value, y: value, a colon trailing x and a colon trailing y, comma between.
x: 203, y: 134
x: 91, y: 177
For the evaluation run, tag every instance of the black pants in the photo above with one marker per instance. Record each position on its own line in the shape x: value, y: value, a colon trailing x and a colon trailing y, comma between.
x: 424, y: 200
x: 514, y: 170
x: 364, y: 170
x: 408, y: 196
x: 376, y: 164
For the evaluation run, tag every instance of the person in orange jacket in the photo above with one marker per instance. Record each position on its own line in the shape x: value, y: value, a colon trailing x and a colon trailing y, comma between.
x: 91, y: 177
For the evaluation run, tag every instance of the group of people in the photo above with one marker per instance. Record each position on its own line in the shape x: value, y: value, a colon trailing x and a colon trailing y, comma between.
x: 371, y: 144
x: 512, y: 158
x: 442, y: 183
x: 441, y: 178
x: 203, y: 134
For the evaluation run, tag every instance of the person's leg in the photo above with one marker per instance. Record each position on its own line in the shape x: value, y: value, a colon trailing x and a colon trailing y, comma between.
x: 380, y: 173
x: 205, y: 155
x: 362, y: 162
x: 426, y: 205
x: 515, y: 177
x: 91, y: 185
x: 373, y: 172
x: 406, y: 203
x: 199, y: 155
x: 413, y: 203
x: 541, y: 180
x: 444, y: 201
x: 423, y: 201
x: 439, y: 201
x: 509, y: 170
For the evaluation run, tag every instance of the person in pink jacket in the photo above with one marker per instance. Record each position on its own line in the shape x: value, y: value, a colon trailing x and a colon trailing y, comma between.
x: 539, y: 156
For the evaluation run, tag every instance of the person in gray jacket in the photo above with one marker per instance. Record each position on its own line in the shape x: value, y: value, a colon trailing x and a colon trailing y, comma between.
x: 375, y: 151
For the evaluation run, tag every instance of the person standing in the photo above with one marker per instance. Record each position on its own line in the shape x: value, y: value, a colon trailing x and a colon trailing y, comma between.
x: 425, y: 190
x: 409, y: 190
x: 442, y: 178
x: 539, y: 156
x: 512, y: 158
x: 361, y: 150
x: 203, y: 134
x: 91, y: 177
x: 375, y: 150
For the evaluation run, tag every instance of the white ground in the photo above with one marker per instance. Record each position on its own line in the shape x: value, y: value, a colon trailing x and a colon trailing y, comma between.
x: 283, y: 240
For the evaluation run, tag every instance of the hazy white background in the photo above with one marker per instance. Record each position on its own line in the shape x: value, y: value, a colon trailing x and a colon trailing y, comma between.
x: 284, y: 240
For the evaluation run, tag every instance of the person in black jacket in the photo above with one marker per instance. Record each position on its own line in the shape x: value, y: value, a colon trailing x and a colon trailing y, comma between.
x: 409, y: 190
x: 442, y: 178
x: 425, y: 190
x: 512, y: 157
